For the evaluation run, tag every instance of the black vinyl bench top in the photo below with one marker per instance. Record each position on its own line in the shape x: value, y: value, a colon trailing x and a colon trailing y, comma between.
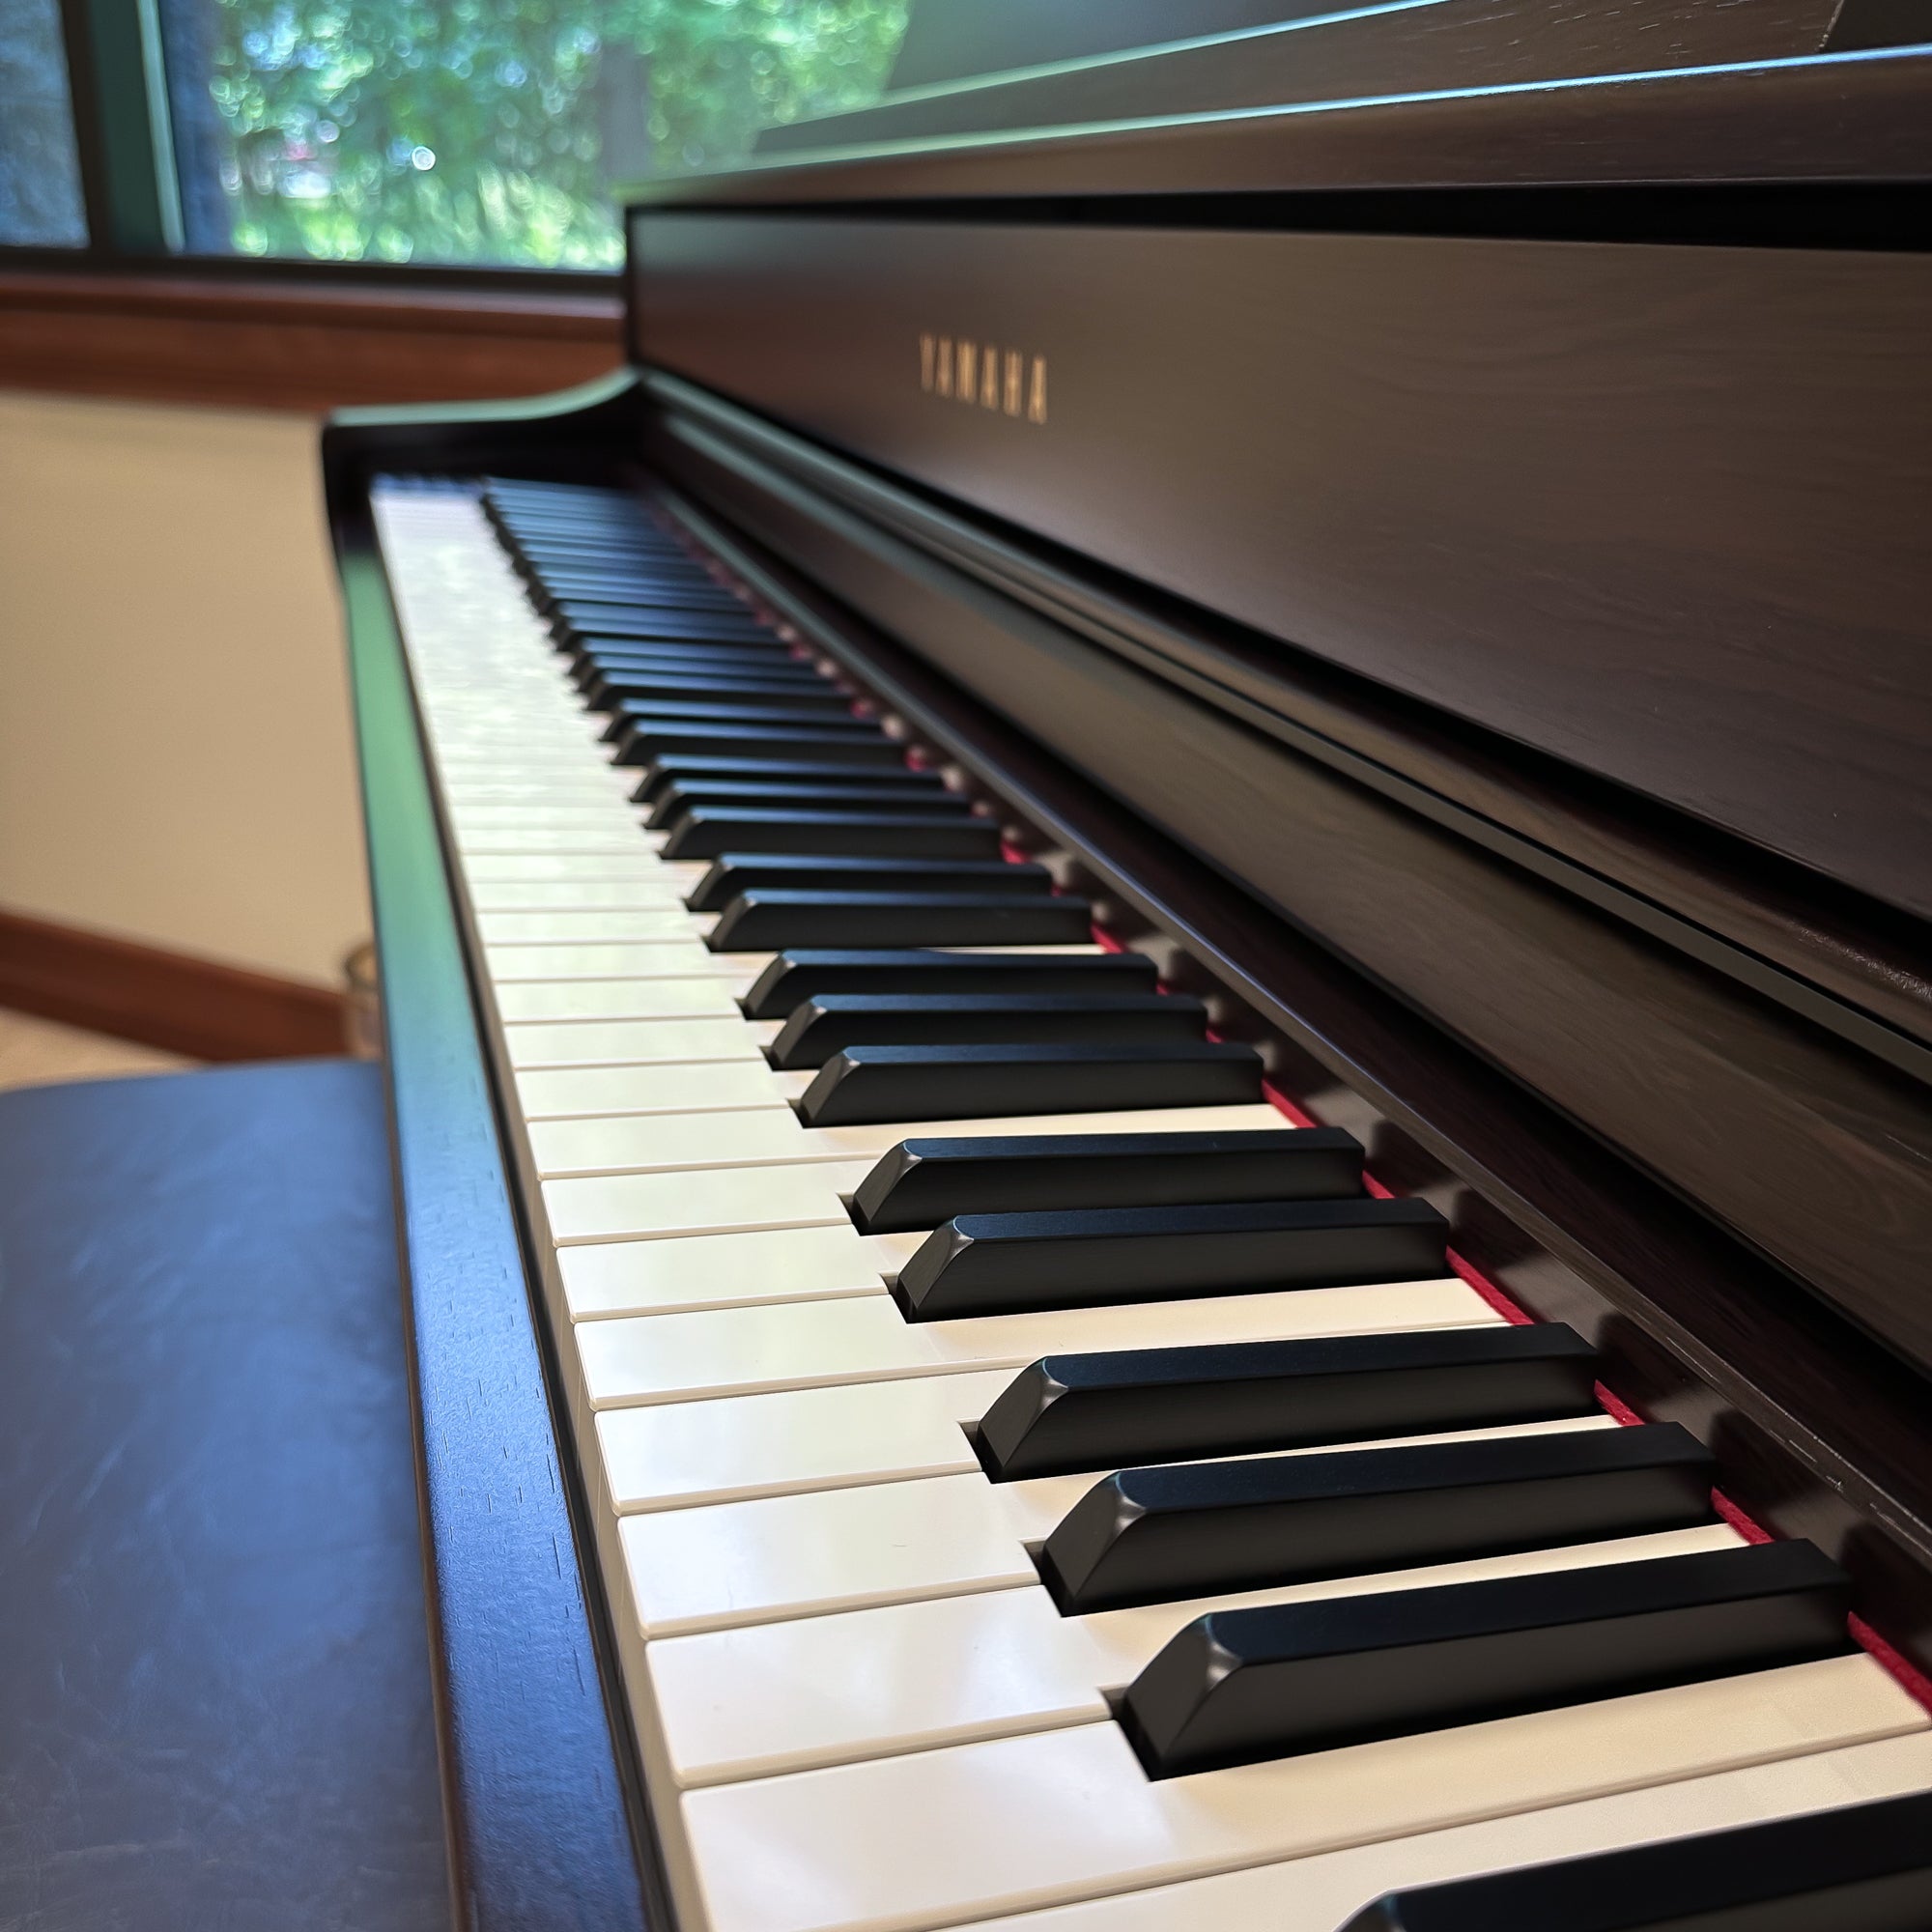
x: 214, y: 1676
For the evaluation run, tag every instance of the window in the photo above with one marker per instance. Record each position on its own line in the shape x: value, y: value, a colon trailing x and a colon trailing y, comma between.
x: 40, y: 164
x: 483, y: 132
x: 501, y: 134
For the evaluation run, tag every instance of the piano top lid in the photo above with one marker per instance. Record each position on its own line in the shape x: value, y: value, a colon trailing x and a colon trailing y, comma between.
x: 1854, y: 117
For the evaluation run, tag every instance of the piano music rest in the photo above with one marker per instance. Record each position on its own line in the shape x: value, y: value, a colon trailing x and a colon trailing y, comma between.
x: 214, y: 1681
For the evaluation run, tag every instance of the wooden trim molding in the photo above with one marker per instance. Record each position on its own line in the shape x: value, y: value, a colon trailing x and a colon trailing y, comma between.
x: 303, y: 345
x: 168, y: 1000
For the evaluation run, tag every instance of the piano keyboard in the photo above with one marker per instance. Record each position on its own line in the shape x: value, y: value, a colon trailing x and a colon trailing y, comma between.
x: 1034, y: 1487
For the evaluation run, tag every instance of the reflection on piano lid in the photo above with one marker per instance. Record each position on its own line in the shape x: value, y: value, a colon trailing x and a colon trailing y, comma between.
x: 1214, y: 1095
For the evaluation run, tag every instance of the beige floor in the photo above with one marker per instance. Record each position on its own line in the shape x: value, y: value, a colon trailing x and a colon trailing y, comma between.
x: 36, y: 1052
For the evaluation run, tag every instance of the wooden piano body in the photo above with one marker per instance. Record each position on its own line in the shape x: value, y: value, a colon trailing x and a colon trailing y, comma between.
x: 1446, y: 576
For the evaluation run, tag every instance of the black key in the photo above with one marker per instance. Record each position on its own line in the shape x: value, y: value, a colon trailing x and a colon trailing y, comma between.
x: 920, y: 1184
x: 835, y: 1021
x: 800, y: 709
x: 710, y: 830
x: 1860, y: 1868
x: 1001, y: 1263
x: 675, y: 771
x: 800, y: 973
x: 575, y: 502
x: 636, y: 536
x: 737, y: 657
x: 513, y: 492
x: 643, y: 594
x: 644, y: 744
x: 538, y: 562
x: 604, y: 547
x: 768, y: 920
x: 613, y: 689
x: 1067, y: 1412
x: 531, y: 519
x: 631, y: 715
x: 867, y: 1086
x: 735, y: 872
x: 699, y: 658
x: 614, y: 551
x: 775, y: 672
x: 577, y: 618
x: 887, y: 797
x: 1197, y: 1529
x: 556, y: 564
x: 1239, y: 1685
x: 600, y: 543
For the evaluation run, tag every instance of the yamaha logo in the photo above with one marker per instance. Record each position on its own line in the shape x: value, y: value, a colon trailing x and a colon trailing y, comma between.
x: 984, y: 376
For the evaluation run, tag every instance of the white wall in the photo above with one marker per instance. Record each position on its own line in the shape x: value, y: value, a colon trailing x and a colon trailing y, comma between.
x: 176, y: 757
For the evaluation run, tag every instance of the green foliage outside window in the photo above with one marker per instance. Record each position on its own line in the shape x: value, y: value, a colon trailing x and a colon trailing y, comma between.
x: 495, y: 130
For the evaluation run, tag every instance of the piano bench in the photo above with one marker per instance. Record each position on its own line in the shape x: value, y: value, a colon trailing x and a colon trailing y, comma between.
x: 214, y: 1672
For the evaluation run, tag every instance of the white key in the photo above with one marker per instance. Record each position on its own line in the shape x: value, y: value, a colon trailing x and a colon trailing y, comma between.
x: 938, y: 1836
x: 632, y: 1043
x: 671, y: 956
x: 774, y: 1697
x: 567, y: 1092
x: 628, y: 894
x: 601, y: 815
x: 564, y: 868
x: 677, y: 1455
x: 616, y: 999
x: 892, y: 1540
x: 559, y: 932
x: 579, y: 789
x: 650, y: 1145
x: 703, y: 1271
x: 617, y: 840
x: 631, y: 1207
x: 1325, y: 1891
x: 680, y: 1357
x: 788, y: 1556
x: 662, y: 1145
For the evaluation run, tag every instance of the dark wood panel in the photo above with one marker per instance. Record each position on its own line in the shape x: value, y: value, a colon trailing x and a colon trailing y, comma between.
x: 1826, y: 955
x: 1440, y: 46
x: 294, y: 347
x: 1819, y: 1431
x: 535, y: 1791
x: 1657, y: 511
x: 1831, y: 117
x: 1817, y: 1154
x: 169, y: 1000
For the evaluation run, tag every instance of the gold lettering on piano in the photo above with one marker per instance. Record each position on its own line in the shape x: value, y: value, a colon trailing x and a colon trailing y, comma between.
x: 1005, y: 381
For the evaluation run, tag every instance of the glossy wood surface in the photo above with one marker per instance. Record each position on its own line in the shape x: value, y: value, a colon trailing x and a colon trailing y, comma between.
x: 214, y: 1679
x: 536, y: 1799
x: 1657, y: 511
x: 1852, y: 117
x: 1444, y: 45
x: 196, y: 1007
x: 278, y: 345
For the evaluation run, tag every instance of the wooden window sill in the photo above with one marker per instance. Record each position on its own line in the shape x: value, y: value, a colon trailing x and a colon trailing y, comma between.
x: 296, y: 346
